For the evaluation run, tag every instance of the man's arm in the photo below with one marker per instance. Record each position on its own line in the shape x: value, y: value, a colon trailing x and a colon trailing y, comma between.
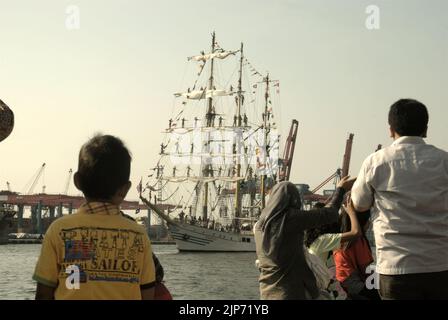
x: 303, y: 220
x: 44, y: 292
x: 360, y: 209
x: 319, y: 217
x: 362, y: 191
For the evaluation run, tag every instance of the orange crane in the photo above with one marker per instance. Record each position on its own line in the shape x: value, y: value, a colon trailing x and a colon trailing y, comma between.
x: 347, y: 156
x: 288, y: 153
x: 340, y: 173
x: 335, y: 176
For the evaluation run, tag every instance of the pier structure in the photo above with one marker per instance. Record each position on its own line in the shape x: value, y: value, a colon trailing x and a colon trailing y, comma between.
x: 45, y: 208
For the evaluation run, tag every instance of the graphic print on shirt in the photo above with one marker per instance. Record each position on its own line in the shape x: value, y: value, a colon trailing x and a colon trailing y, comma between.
x: 102, y: 254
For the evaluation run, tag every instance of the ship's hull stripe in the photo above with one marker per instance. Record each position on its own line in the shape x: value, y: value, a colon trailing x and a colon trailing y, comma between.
x: 190, y: 232
x: 181, y: 236
x: 188, y: 241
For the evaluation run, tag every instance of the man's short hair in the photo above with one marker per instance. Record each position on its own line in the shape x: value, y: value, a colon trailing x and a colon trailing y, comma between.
x: 104, y: 166
x: 408, y: 117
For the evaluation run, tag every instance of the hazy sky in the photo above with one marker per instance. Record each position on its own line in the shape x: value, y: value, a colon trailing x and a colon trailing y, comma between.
x: 117, y: 73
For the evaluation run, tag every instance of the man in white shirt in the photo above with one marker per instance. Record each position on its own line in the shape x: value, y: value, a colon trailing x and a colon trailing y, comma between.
x: 406, y: 187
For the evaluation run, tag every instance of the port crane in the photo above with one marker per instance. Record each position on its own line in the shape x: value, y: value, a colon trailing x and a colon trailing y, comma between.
x: 36, y: 179
x: 312, y: 196
x: 288, y: 153
x: 67, y: 183
x: 340, y: 173
x: 347, y: 156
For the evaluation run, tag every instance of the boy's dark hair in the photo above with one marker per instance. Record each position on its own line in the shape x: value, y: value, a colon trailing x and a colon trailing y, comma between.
x: 104, y: 166
x: 408, y: 117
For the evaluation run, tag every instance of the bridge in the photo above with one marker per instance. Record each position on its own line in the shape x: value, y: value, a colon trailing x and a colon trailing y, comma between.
x: 45, y: 208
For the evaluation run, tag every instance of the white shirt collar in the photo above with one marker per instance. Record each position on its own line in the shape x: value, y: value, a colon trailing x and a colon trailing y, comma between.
x: 409, y: 140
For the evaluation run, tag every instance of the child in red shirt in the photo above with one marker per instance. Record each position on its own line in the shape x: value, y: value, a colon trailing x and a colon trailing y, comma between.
x: 353, y: 259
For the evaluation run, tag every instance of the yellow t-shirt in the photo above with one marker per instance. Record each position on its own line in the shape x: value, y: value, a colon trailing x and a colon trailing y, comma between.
x: 108, y: 255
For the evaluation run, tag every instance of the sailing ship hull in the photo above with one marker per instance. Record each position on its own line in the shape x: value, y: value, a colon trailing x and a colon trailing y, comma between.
x: 195, y: 238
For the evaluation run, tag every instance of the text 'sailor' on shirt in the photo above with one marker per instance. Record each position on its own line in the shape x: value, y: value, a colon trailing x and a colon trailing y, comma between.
x: 407, y: 184
x: 112, y: 253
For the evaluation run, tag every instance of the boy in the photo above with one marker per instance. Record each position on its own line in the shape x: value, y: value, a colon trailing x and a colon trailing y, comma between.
x: 97, y: 253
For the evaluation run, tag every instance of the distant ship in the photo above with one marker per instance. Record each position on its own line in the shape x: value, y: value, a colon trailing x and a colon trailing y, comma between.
x: 219, y: 155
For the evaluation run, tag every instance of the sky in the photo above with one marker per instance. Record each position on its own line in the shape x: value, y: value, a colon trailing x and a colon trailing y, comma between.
x: 117, y: 73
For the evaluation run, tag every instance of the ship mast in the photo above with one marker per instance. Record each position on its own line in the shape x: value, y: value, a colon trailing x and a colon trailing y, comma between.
x: 238, y: 115
x: 240, y: 86
x: 265, y: 126
x: 209, y: 116
x: 210, y: 112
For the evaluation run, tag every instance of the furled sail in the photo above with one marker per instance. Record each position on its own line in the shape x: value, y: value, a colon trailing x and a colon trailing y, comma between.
x: 203, y: 94
x: 218, y: 55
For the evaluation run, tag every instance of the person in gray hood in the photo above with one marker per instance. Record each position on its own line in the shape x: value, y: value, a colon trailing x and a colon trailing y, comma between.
x: 284, y: 273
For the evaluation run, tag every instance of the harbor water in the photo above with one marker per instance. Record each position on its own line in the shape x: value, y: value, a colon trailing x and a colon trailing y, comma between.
x: 188, y: 275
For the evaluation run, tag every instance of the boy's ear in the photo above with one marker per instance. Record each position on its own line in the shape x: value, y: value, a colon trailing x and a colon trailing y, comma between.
x: 391, y: 133
x: 125, y: 189
x: 77, y: 181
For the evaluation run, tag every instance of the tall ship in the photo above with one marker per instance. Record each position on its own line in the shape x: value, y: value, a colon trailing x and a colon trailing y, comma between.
x: 219, y: 154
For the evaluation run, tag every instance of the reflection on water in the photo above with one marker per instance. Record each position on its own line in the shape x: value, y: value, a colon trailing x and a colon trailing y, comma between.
x: 187, y: 275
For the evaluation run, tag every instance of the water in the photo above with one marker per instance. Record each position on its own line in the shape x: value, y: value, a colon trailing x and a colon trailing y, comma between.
x: 187, y: 275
